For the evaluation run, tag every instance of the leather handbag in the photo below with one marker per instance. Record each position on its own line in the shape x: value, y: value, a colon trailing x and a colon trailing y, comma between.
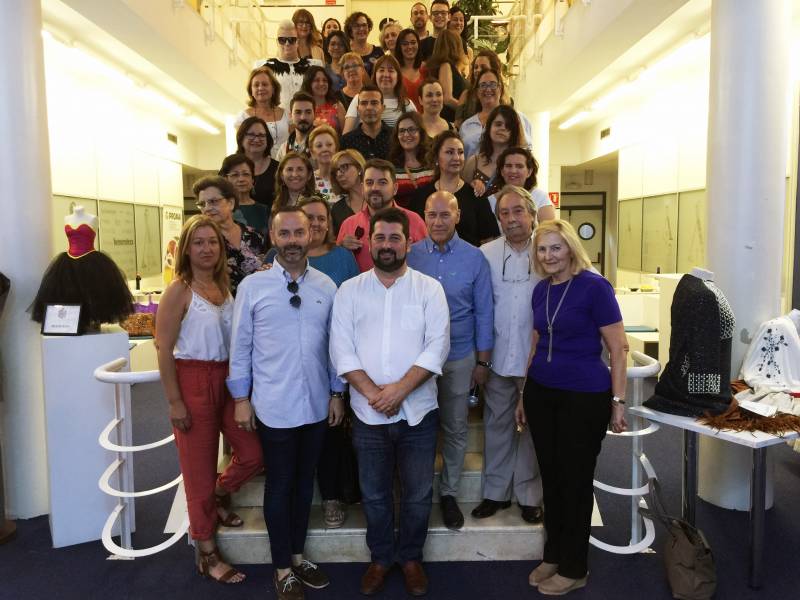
x: 688, y: 559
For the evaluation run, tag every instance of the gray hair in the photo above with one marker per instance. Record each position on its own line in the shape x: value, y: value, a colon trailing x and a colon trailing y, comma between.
x: 287, y: 24
x: 521, y: 192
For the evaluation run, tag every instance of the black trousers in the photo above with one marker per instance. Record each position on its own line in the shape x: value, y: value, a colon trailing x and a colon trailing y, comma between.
x: 329, y: 467
x: 568, y: 428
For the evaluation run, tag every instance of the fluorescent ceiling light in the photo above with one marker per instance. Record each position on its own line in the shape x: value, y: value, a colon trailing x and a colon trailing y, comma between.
x: 612, y: 96
x: 201, y: 124
x: 574, y: 119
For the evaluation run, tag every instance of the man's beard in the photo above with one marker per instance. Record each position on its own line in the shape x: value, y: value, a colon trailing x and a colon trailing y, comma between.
x: 282, y: 251
x: 304, y: 126
x: 389, y: 262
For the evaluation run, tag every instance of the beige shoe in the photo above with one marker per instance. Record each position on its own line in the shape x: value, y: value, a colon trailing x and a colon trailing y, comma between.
x: 558, y: 585
x: 544, y: 571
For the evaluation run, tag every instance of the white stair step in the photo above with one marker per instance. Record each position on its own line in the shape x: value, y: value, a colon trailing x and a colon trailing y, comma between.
x: 505, y: 536
x: 251, y: 494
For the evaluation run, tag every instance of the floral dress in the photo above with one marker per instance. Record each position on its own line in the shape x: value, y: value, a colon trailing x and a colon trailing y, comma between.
x: 247, y: 258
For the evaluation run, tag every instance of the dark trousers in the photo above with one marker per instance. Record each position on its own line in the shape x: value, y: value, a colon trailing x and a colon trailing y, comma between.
x: 329, y: 467
x: 290, y: 459
x: 412, y: 450
x: 568, y: 428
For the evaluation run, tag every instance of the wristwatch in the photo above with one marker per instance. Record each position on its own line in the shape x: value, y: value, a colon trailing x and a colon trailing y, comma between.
x: 483, y: 363
x: 337, y: 394
x: 618, y: 400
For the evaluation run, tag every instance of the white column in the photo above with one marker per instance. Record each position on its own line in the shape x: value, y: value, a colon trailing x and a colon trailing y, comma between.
x: 24, y: 253
x: 747, y: 152
x: 540, y: 125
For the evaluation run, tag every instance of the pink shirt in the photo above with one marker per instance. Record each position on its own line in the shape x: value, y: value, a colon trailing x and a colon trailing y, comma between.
x: 417, y: 231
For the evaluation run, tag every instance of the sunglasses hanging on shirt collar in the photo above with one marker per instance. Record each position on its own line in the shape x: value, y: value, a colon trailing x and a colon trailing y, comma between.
x: 293, y: 288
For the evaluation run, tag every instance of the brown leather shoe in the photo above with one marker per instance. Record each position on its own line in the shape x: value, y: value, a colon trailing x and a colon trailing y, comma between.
x: 416, y: 580
x: 372, y: 579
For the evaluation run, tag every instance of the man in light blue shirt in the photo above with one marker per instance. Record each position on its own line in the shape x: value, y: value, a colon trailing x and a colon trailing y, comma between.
x: 279, y: 368
x: 464, y: 273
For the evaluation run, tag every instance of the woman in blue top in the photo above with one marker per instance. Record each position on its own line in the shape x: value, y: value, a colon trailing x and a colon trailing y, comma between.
x: 338, y: 264
x: 570, y: 398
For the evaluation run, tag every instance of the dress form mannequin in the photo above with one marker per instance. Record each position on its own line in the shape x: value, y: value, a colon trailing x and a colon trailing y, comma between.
x: 84, y: 276
x: 80, y: 217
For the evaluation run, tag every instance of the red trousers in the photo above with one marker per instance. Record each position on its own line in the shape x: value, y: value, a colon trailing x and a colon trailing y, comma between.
x: 202, y: 385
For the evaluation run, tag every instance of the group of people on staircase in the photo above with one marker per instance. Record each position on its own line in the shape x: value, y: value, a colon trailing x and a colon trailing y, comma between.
x: 327, y: 296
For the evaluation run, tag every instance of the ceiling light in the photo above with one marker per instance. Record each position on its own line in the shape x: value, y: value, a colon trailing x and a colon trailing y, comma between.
x: 155, y: 97
x: 201, y: 124
x: 574, y: 120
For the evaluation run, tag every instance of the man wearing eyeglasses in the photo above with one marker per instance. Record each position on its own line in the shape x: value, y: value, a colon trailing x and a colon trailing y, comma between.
x: 292, y: 388
x: 389, y: 337
x: 462, y: 270
x: 288, y: 67
x: 301, y: 113
x: 380, y: 187
x: 509, y: 461
x: 440, y: 15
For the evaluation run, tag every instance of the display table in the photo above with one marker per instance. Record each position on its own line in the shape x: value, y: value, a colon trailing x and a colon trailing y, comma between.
x: 757, y: 441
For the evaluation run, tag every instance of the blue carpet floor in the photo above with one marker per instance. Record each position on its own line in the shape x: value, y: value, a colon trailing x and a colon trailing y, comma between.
x: 31, y: 569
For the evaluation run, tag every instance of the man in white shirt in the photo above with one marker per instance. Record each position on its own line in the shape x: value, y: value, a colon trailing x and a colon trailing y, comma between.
x: 390, y: 334
x: 288, y: 67
x: 509, y: 463
x: 280, y: 368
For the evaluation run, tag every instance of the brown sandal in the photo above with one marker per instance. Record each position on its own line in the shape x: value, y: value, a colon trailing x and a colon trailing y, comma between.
x: 206, y: 560
x: 231, y: 519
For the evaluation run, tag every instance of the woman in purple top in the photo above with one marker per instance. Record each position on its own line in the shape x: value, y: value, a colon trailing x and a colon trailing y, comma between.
x: 570, y: 398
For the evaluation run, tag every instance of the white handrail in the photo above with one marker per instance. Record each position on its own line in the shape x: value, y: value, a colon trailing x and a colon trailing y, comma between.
x: 645, y: 366
x: 111, y: 372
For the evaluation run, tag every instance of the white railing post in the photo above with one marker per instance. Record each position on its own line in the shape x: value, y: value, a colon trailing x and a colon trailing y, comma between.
x: 123, y: 465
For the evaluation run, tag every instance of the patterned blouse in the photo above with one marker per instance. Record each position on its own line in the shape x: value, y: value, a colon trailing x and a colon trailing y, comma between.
x: 247, y: 258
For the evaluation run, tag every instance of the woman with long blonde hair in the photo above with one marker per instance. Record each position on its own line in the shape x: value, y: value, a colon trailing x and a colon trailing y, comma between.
x: 192, y: 341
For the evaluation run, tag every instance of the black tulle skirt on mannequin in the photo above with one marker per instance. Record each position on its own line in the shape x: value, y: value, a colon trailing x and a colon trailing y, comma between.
x: 94, y: 281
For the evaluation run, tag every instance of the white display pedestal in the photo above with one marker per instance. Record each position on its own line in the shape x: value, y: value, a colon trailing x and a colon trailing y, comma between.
x: 77, y: 409
x: 724, y: 474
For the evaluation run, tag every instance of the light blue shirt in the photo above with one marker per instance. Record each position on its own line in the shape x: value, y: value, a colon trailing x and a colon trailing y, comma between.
x: 465, y: 276
x: 279, y: 353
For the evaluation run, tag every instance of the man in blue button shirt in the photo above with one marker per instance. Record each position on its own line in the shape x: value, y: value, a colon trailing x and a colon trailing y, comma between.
x: 465, y: 275
x: 279, y: 367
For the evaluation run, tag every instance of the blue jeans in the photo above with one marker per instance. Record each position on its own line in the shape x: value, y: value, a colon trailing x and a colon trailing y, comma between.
x: 412, y: 450
x: 290, y: 460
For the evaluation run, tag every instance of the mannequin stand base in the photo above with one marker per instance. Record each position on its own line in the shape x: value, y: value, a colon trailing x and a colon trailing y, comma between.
x: 8, y: 531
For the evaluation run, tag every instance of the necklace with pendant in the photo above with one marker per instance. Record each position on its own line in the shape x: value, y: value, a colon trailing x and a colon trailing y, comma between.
x: 555, y: 314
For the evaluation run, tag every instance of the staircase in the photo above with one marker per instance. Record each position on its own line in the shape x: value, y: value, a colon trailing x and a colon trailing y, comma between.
x: 505, y: 536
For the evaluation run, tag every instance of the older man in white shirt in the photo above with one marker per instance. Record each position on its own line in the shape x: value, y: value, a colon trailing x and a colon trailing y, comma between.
x: 509, y: 463
x: 390, y: 334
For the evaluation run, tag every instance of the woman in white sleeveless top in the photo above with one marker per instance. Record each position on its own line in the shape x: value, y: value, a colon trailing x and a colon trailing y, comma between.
x: 192, y: 340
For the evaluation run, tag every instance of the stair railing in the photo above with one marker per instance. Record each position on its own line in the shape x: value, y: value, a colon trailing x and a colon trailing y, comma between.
x: 646, y: 367
x: 122, y: 467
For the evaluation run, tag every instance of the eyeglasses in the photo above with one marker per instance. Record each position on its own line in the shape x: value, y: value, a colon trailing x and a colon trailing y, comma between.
x: 351, y: 67
x: 409, y: 43
x: 407, y: 131
x: 342, y: 168
x: 298, y: 23
x: 260, y: 137
x: 240, y: 175
x: 360, y: 25
x: 292, y: 288
x: 283, y: 41
x: 505, y: 261
x: 210, y: 203
x: 488, y: 85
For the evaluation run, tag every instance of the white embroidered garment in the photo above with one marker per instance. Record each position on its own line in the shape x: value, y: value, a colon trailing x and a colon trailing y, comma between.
x: 772, y: 362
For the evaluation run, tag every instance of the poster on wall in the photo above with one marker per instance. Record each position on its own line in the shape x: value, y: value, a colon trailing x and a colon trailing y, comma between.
x: 171, y: 225
x: 118, y: 235
x: 148, y: 240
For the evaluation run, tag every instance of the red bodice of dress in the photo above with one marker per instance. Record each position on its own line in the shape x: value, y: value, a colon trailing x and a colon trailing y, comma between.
x: 81, y: 240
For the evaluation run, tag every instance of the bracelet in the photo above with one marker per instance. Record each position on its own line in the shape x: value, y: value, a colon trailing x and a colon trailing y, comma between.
x: 483, y: 363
